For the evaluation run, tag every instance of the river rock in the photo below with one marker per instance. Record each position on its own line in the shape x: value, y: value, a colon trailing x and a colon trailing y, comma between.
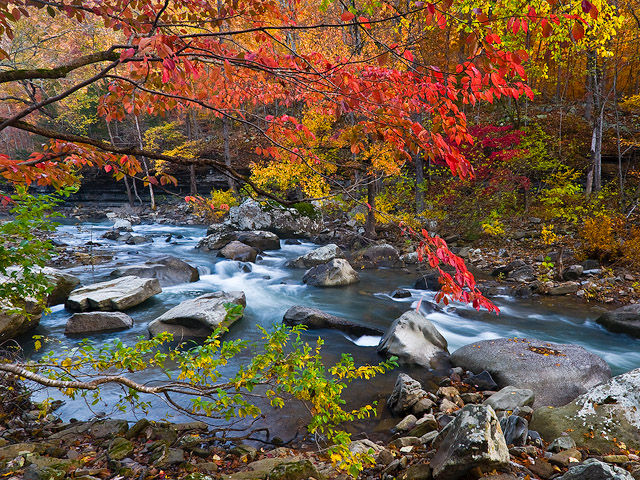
x: 168, y: 270
x: 415, y: 341
x: 510, y: 398
x: 137, y: 239
x: 93, y: 322
x: 314, y: 318
x: 406, y: 393
x: 594, y: 469
x: 316, y: 257
x: 623, y: 320
x: 557, y: 373
x: 14, y: 324
x: 428, y: 281
x: 610, y: 410
x: 259, y: 239
x: 336, y: 273
x: 119, y: 294
x: 515, y: 430
x: 239, y: 251
x: 289, y: 222
x: 572, y: 272
x: 376, y: 256
x: 473, y: 440
x: 522, y: 274
x: 61, y: 283
x: 122, y: 225
x: 198, y: 317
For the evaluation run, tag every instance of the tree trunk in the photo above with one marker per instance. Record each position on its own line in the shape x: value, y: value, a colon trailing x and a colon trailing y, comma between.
x: 193, y: 186
x: 144, y: 164
x: 419, y: 164
x: 227, y: 151
x: 370, y: 225
x: 126, y: 178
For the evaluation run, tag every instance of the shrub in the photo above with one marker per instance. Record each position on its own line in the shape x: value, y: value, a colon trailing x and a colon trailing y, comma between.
x: 601, y: 237
x: 215, y: 207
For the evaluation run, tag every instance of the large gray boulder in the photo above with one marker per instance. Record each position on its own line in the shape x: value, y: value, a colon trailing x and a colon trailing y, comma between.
x: 557, y: 373
x: 13, y: 324
x: 315, y: 318
x: 198, y: 317
x: 239, y: 251
x: 259, y: 239
x: 593, y: 420
x: 471, y: 441
x: 336, y: 273
x: 415, y: 341
x: 594, y: 469
x: 623, y: 320
x: 62, y: 283
x: 168, y: 270
x: 119, y: 294
x: 318, y: 256
x: 376, y: 256
x: 250, y: 215
x: 95, y: 322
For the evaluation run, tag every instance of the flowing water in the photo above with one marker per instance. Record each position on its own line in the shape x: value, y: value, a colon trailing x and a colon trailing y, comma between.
x: 271, y: 289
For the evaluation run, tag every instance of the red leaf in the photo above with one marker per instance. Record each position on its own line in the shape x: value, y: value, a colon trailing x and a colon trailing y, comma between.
x: 347, y: 16
x: 586, y: 6
x: 577, y: 31
x: 408, y: 55
x: 107, y: 168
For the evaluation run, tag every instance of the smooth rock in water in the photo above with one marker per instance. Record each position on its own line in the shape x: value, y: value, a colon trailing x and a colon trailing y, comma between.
x: 258, y: 239
x: 168, y: 270
x: 137, y: 240
x: 593, y: 469
x: 557, y: 373
x: 14, y: 324
x: 336, y: 273
x: 314, y: 318
x: 610, y: 410
x: 415, y: 341
x: 428, y: 281
x: 93, y: 322
x: 401, y: 293
x: 198, y: 317
x: 239, y: 251
x: 376, y: 256
x: 62, y: 283
x: 515, y: 430
x: 119, y: 294
x: 510, y: 398
x: 623, y: 320
x: 316, y: 257
x: 406, y: 393
x: 122, y: 225
x: 250, y: 215
x: 472, y: 441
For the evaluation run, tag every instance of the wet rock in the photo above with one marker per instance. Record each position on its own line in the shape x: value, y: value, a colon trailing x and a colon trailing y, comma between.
x: 414, y: 340
x: 472, y: 441
x: 557, y: 373
x: 315, y: 318
x: 259, y: 239
x: 406, y: 393
x: 510, y: 398
x: 168, y: 270
x: 62, y: 284
x: 623, y: 320
x: 198, y: 317
x: 611, y: 409
x: 122, y: 225
x: 93, y: 322
x: 316, y: 257
x: 119, y: 294
x: 336, y: 273
x: 376, y: 256
x: 239, y: 251
x: 137, y: 240
x: 401, y: 293
x: 515, y: 430
x: 593, y: 469
x: 428, y: 281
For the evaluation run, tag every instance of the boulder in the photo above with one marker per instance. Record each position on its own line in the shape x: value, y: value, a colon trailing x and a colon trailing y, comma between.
x: 406, y: 393
x: 510, y: 398
x: 314, y: 318
x: 62, y: 283
x: 198, y: 317
x: 336, y: 273
x: 557, y: 373
x: 572, y: 272
x: 288, y: 222
x: 594, y: 469
x: 473, y: 440
x: 415, y: 341
x: 593, y: 420
x: 123, y: 225
x: 119, y: 294
x: 317, y: 257
x: 93, y: 322
x: 258, y: 239
x: 137, y: 239
x: 504, y: 270
x: 428, y: 281
x: 410, y: 258
x: 168, y: 270
x: 239, y: 251
x: 566, y: 288
x: 376, y: 256
x: 623, y: 320
x: 515, y: 430
x: 522, y: 274
x: 14, y: 324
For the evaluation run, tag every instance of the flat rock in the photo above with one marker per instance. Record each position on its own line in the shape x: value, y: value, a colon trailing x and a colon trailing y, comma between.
x: 93, y: 322
x: 259, y: 239
x: 198, y: 317
x: 315, y: 318
x: 376, y: 256
x: 119, y: 294
x: 415, y: 341
x: 168, y: 270
x: 510, y: 398
x: 557, y: 373
x: 623, y: 320
x: 593, y: 469
x: 236, y: 250
x: 335, y: 273
x: 593, y: 420
x: 14, y: 324
x: 316, y: 257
